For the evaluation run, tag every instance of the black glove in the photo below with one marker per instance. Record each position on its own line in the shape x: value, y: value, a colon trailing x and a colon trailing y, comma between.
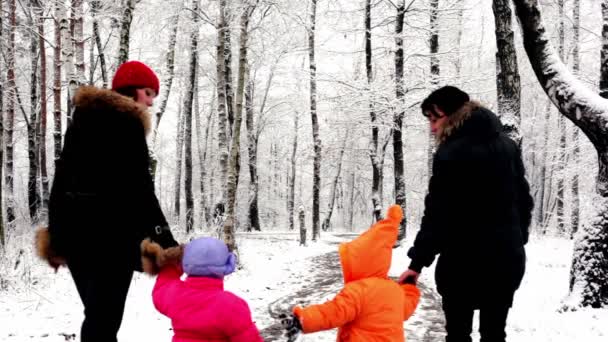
x: 292, y: 326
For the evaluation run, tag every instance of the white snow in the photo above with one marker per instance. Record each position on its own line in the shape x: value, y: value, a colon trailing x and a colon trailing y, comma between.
x: 43, y: 305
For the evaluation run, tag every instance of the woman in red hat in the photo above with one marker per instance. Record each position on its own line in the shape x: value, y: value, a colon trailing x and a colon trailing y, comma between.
x: 102, y: 202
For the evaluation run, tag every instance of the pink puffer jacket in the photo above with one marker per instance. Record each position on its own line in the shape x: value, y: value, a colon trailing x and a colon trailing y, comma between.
x: 200, y: 309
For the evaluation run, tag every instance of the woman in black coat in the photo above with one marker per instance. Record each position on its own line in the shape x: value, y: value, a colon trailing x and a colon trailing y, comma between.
x: 476, y: 217
x: 102, y: 202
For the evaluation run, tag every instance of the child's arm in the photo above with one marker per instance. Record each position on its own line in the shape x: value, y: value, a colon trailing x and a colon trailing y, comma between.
x: 345, y: 307
x: 412, y: 297
x: 165, y: 287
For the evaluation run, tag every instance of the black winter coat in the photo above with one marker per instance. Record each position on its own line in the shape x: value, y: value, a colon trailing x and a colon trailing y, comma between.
x: 477, y: 211
x: 102, y: 202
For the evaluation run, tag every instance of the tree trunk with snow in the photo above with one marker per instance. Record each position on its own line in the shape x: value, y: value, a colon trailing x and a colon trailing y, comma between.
x: 78, y: 17
x: 222, y: 122
x: 398, y: 120
x: 229, y: 93
x: 252, y: 139
x: 95, y: 6
x: 234, y: 163
x: 57, y: 82
x: 302, y: 217
x: 561, y: 126
x: 187, y: 119
x: 589, y: 112
x: 179, y: 150
x: 576, y: 62
x: 435, y: 70
x: 125, y: 30
x: 204, y: 218
x: 316, y: 184
x: 334, y: 186
x: 67, y: 53
x: 2, y: 89
x: 508, y: 85
x: 10, y: 113
x: 374, y: 149
x: 44, y: 178
x: 604, y: 52
x: 292, y: 177
x: 33, y: 193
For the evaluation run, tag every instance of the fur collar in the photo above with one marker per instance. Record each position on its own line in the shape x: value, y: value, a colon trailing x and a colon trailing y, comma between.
x: 456, y: 120
x: 88, y: 97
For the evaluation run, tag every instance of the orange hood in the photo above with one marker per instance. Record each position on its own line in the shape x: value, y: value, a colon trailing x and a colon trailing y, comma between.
x: 369, y: 255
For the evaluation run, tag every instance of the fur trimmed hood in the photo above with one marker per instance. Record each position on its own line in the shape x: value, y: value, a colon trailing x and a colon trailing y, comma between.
x: 90, y: 98
x: 472, y: 119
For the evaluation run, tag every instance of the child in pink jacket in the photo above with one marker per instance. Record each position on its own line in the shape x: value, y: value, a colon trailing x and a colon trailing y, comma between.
x: 199, y: 308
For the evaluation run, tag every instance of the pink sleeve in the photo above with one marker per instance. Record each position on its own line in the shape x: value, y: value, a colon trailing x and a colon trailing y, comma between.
x: 165, y: 287
x: 242, y: 328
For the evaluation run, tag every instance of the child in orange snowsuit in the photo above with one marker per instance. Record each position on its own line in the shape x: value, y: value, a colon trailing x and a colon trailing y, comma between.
x: 371, y: 307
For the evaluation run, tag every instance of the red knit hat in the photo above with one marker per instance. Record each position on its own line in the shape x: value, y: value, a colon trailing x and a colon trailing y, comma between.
x: 135, y: 74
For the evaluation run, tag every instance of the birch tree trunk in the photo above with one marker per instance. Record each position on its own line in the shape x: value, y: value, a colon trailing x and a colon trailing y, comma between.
x: 222, y: 121
x: 375, y: 152
x: 316, y: 187
x: 10, y: 113
x: 95, y: 7
x: 292, y: 178
x: 234, y: 162
x: 125, y: 29
x: 78, y: 17
x: 589, y: 112
x: 229, y: 93
x: 57, y: 81
x: 508, y: 85
x: 179, y: 149
x: 398, y: 120
x: 170, y: 74
x: 435, y: 70
x: 252, y: 138
x: 332, y: 197
x: 2, y: 89
x: 43, y: 112
x: 67, y: 53
x: 33, y: 192
x: 576, y: 62
x: 561, y: 125
x: 188, y: 101
x: 202, y: 155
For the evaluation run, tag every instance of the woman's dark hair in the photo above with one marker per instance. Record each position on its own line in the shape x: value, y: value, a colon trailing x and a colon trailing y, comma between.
x: 449, y: 99
x: 128, y: 92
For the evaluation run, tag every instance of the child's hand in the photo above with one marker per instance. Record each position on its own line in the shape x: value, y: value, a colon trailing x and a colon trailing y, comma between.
x: 292, y: 325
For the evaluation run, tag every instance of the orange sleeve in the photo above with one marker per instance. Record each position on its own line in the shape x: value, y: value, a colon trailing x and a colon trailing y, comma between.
x: 412, y: 297
x: 345, y: 307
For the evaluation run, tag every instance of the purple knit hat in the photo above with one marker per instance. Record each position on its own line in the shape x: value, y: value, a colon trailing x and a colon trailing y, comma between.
x: 208, y: 257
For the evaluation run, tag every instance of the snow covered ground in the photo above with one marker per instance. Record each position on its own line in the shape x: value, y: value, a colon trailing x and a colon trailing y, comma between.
x: 37, y: 305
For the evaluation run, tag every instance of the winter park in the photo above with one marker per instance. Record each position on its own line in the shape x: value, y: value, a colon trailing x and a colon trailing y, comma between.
x: 304, y: 170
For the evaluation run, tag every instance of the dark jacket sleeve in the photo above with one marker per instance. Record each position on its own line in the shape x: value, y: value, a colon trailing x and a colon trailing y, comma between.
x: 427, y: 243
x: 525, y: 200
x: 138, y: 178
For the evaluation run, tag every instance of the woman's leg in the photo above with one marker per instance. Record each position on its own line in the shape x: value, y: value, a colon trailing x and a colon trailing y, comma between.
x: 458, y: 320
x: 493, y: 321
x: 103, y: 292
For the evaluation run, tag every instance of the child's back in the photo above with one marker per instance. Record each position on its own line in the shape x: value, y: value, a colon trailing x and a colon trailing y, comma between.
x: 199, y: 308
x: 371, y: 307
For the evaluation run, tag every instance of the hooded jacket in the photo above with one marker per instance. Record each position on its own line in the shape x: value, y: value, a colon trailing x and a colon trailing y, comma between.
x: 477, y: 211
x: 102, y: 193
x: 371, y: 307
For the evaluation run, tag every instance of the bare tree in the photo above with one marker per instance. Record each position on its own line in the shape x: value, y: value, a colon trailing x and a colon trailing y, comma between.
x: 78, y: 21
x: 561, y: 124
x: 188, y: 101
x: 2, y: 89
x: 316, y: 187
x: 225, y: 25
x: 43, y: 109
x: 398, y: 119
x: 334, y: 186
x: 33, y: 193
x: 223, y: 125
x: 59, y: 12
x: 95, y: 7
x: 179, y: 150
x: 292, y: 177
x: 234, y: 162
x: 125, y: 29
x: 589, y: 112
x: 508, y: 85
x: 10, y: 113
x: 576, y: 62
x: 67, y: 53
x: 252, y: 139
x: 435, y: 70
x: 202, y: 156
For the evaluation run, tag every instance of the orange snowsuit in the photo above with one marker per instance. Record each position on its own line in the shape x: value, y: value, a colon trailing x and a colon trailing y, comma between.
x: 371, y: 307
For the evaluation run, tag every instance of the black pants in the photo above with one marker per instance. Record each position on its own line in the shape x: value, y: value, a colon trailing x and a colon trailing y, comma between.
x: 103, y: 291
x: 459, y: 321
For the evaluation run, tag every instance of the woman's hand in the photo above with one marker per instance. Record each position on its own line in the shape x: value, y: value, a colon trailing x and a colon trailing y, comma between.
x: 409, y: 277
